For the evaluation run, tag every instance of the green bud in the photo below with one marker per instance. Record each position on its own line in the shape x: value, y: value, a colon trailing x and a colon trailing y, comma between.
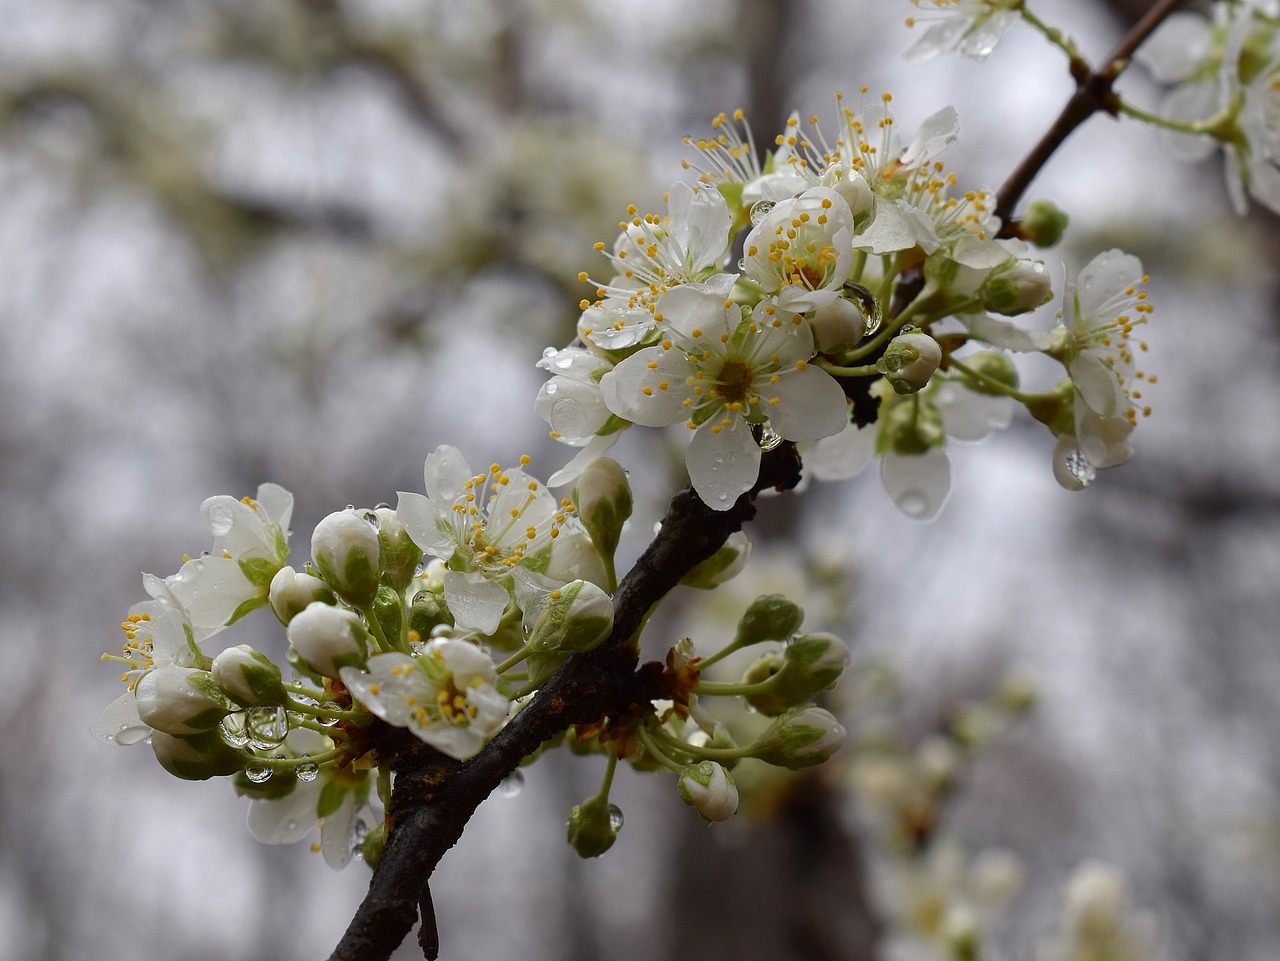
x: 909, y: 361
x: 725, y: 564
x: 398, y: 555
x: 809, y: 664
x: 709, y: 789
x: 1044, y: 223
x: 374, y: 841
x: 1016, y: 694
x: 576, y: 617
x: 347, y: 553
x: 993, y: 364
x: 328, y: 638
x: 602, y: 498
x: 388, y: 609
x: 291, y: 592
x: 800, y: 738
x: 593, y: 826
x: 911, y: 428
x: 770, y: 617
x: 248, y: 677
x: 195, y: 758
x: 1022, y: 286
x: 180, y: 701
x: 1055, y: 408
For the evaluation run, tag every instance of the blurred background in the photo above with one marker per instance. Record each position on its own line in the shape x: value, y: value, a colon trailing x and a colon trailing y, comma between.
x: 307, y: 241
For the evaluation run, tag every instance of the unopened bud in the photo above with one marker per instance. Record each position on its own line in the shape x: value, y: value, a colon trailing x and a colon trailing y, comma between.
x: 770, y: 617
x: 576, y: 617
x: 855, y: 190
x: 195, y: 758
x: 291, y: 592
x: 602, y: 497
x: 709, y: 789
x: 593, y: 826
x: 809, y: 664
x: 802, y: 737
x: 180, y: 701
x: 724, y: 565
x: 838, y: 325
x: 909, y: 361
x: 994, y: 366
x: 248, y: 677
x: 399, y: 556
x: 346, y: 551
x: 1044, y: 223
x: 328, y: 638
x: 1023, y: 286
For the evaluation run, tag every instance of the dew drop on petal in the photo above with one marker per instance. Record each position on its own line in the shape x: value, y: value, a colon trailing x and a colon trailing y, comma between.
x: 760, y: 210
x: 266, y: 727
x: 563, y: 361
x: 307, y: 772
x: 722, y: 496
x: 868, y: 304
x: 769, y: 438
x: 615, y: 817
x: 511, y: 785
x: 549, y: 352
x: 257, y: 773
x: 372, y: 518
x: 359, y: 831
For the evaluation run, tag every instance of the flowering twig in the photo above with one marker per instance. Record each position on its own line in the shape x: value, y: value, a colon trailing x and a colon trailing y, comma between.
x: 434, y: 795
x: 1093, y: 94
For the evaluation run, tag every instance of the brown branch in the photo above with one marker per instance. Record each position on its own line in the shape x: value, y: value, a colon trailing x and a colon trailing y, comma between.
x: 1093, y: 94
x: 434, y: 795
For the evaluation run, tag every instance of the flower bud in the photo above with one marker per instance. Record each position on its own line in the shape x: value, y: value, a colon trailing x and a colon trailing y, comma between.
x: 802, y: 737
x: 1095, y: 901
x: 347, y: 553
x: 398, y: 555
x: 248, y: 677
x: 809, y: 664
x: 838, y: 325
x: 770, y: 617
x: 593, y: 826
x: 180, y: 701
x: 602, y: 497
x: 855, y: 190
x: 327, y: 638
x: 912, y: 428
x: 1022, y: 287
x: 994, y: 365
x: 195, y: 758
x: 291, y: 592
x: 1043, y: 223
x: 909, y: 361
x: 709, y: 789
x: 724, y: 565
x: 576, y: 617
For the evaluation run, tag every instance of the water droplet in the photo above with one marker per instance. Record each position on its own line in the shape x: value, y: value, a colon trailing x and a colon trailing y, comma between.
x: 742, y: 265
x: 511, y: 785
x: 913, y: 504
x: 382, y: 506
x: 359, y: 831
x: 1079, y: 467
x: 563, y: 361
x: 769, y: 438
x: 722, y: 496
x: 550, y: 388
x: 267, y: 727
x: 257, y: 774
x: 235, y: 729
x: 615, y: 817
x: 867, y: 303
x: 307, y: 772
x: 760, y: 210
x: 549, y: 352
x: 717, y: 460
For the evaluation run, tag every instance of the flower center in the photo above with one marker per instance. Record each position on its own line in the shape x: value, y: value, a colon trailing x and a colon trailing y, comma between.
x: 136, y: 653
x: 734, y: 380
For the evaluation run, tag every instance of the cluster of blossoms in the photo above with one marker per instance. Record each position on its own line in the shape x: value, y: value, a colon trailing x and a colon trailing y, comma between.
x: 440, y: 617
x: 864, y: 318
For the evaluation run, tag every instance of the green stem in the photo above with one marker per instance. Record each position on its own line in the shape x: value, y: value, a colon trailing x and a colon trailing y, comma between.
x: 375, y: 628
x: 335, y: 733
x: 729, y: 688
x: 1209, y: 127
x: 699, y: 751
x: 989, y: 383
x: 887, y: 333
x: 1054, y: 36
x: 297, y: 687
x: 656, y: 752
x: 312, y: 710
x: 514, y: 659
x: 286, y: 763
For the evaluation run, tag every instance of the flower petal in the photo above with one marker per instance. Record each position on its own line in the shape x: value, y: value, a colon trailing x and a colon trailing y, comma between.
x: 810, y: 405
x: 723, y: 463
x: 918, y: 483
x: 476, y: 603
